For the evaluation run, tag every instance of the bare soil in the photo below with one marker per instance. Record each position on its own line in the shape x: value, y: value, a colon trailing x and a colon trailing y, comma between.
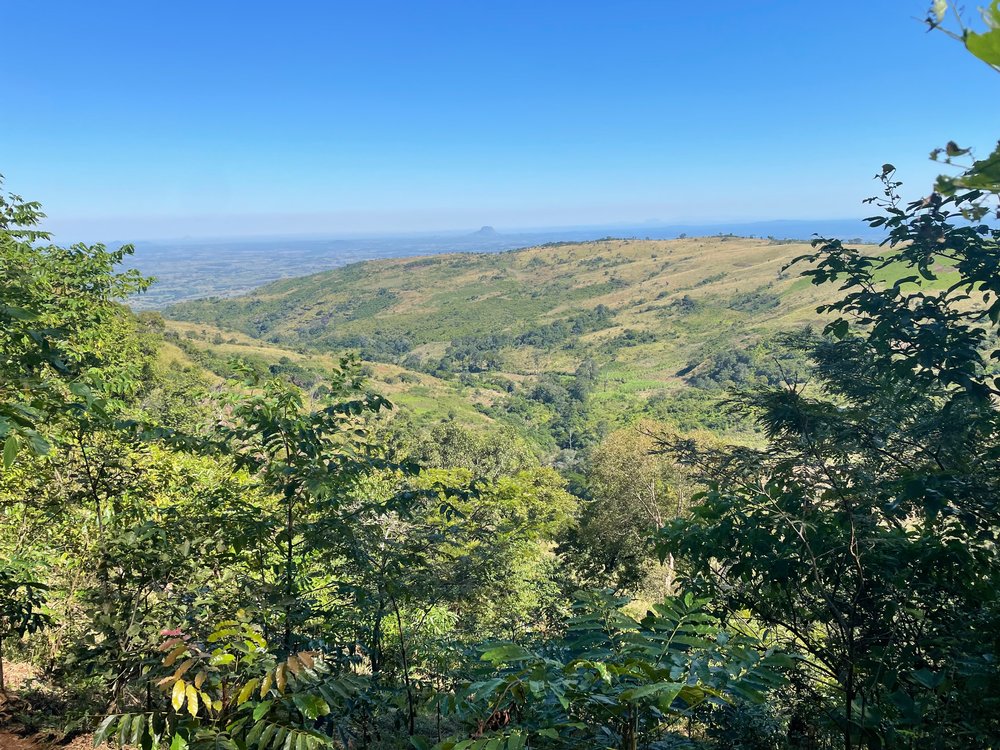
x: 12, y: 735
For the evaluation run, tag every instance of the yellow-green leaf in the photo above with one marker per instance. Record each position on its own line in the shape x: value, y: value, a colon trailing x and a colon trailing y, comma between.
x: 266, y: 684
x: 192, y: 699
x: 177, y: 697
x: 247, y: 691
x: 986, y: 46
x: 10, y: 451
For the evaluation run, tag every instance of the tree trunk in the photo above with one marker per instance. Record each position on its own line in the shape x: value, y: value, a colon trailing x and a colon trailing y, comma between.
x: 849, y: 709
x: 410, y: 706
x: 289, y: 562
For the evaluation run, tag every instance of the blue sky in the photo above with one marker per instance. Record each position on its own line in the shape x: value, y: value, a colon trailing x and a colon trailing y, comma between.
x: 150, y: 120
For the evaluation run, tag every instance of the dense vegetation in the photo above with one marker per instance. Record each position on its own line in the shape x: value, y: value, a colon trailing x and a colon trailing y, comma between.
x: 200, y: 552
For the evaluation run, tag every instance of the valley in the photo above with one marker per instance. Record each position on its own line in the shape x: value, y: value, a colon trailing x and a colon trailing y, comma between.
x: 663, y: 327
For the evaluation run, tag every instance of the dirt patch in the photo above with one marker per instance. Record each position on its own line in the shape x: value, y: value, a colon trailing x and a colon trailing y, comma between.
x: 13, y: 736
x: 13, y: 742
x: 84, y: 742
x: 10, y: 741
x: 15, y: 675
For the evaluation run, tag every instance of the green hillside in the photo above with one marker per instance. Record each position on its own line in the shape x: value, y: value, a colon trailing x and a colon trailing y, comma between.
x: 417, y: 302
x: 504, y: 333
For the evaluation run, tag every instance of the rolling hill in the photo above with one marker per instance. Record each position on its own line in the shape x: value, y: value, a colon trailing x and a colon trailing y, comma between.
x: 646, y: 319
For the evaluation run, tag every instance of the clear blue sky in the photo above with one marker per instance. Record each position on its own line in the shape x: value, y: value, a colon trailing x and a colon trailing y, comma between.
x: 161, y: 119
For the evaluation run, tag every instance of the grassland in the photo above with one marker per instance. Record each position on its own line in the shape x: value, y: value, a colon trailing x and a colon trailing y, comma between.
x: 466, y: 334
x: 198, y: 345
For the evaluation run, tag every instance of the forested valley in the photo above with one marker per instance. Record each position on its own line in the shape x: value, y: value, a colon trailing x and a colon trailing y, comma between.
x: 290, y: 521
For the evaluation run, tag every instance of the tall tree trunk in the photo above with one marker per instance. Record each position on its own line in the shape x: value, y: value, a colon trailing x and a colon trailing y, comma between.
x: 849, y: 709
x: 410, y: 705
x: 289, y: 562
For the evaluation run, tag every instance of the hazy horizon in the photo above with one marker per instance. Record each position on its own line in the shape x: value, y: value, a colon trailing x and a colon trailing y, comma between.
x: 836, y: 225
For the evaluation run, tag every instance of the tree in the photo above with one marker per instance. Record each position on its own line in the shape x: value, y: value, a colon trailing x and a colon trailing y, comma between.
x: 612, y: 680
x: 633, y: 493
x: 866, y: 530
x: 21, y: 610
x: 312, y: 457
x: 56, y: 305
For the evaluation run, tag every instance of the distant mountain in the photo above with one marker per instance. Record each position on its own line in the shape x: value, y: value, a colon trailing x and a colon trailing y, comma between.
x: 486, y: 233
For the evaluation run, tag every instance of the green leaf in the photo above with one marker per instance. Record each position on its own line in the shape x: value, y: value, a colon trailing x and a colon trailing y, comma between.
x: 104, y: 729
x: 508, y: 652
x: 986, y: 46
x: 927, y: 678
x: 10, y: 447
x: 662, y: 690
x: 311, y: 706
x: 838, y: 328
x: 261, y: 709
x: 19, y: 313
x: 125, y: 729
x: 138, y: 729
x: 255, y: 733
x: 267, y: 735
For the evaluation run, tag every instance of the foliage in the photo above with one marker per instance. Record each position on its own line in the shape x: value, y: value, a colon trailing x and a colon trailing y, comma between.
x: 865, y: 530
x: 632, y: 494
x: 981, y: 174
x: 750, y: 364
x: 54, y: 303
x: 612, y: 680
x: 495, y: 331
x: 21, y: 609
x: 310, y: 458
x: 230, y: 691
x: 395, y: 580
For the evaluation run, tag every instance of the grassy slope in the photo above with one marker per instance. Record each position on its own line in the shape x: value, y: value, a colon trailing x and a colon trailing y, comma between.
x: 429, y: 301
x: 419, y: 393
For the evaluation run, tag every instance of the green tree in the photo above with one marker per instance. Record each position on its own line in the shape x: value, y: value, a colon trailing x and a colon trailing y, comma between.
x: 633, y: 492
x: 866, y: 529
x: 21, y: 610
x: 56, y: 307
x: 612, y: 680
